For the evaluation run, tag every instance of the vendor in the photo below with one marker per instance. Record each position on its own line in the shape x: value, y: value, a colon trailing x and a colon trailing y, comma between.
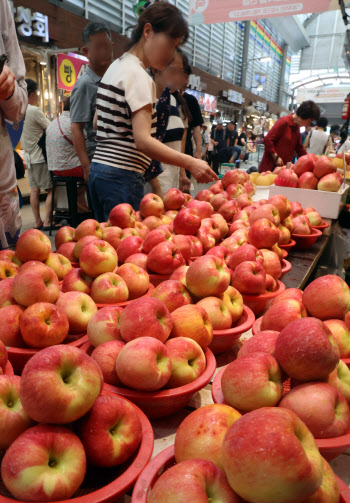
x: 284, y: 140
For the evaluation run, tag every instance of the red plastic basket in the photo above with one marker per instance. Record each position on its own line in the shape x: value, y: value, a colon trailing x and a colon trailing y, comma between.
x: 288, y: 246
x: 157, y: 279
x: 285, y: 253
x: 257, y: 326
x: 164, y: 402
x: 124, y: 304
x: 224, y: 339
x: 305, y: 241
x: 166, y: 459
x: 216, y: 391
x: 19, y: 356
x: 286, y: 267
x: 321, y: 227
x: 259, y: 304
x: 118, y: 480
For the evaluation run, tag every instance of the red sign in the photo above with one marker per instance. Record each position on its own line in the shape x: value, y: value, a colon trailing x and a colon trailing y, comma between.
x: 222, y: 11
x: 69, y: 69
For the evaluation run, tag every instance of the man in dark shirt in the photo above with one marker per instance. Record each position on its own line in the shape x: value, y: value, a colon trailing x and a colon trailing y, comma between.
x: 242, y: 139
x: 225, y: 143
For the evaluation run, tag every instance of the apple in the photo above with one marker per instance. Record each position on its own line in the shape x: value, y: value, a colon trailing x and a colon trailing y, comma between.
x: 136, y: 279
x: 160, y: 235
x: 77, y: 280
x: 271, y: 284
x: 54, y: 452
x: 243, y: 254
x: 234, y: 190
x: 247, y: 394
x: 64, y: 234
x: 263, y: 342
x: 98, y: 257
x: 122, y: 215
x: 105, y: 355
x: 187, y: 359
x: 184, y: 245
x: 151, y: 206
x: 218, y: 200
x: 196, y: 247
x: 282, y: 204
x: 244, y: 200
x: 38, y: 283
x: 173, y: 294
x: 145, y: 317
x: 152, y: 222
x: 208, y: 276
x: 211, y: 227
x: 267, y: 211
x: 7, y: 269
x: 281, y: 314
x: 271, y: 263
x: 288, y: 178
x: 219, y: 251
x: 207, y: 240
x: 201, y: 433
x: 204, y: 195
x: 297, y: 209
x: 217, y: 187
x: 10, y: 334
x: 340, y: 379
x: 233, y: 242
x: 59, y: 264
x: 141, y: 229
x: 171, y: 214
x: 288, y: 222
x: 250, y: 188
x: 285, y: 235
x: 234, y: 301
x: 241, y: 233
x: 103, y: 326
x: 324, y: 166
x: 3, y: 357
x: 130, y: 231
x: 218, y: 312
x: 327, y: 297
x: 187, y: 221
x: 33, y: 245
x: 321, y: 407
x: 302, y: 225
x: 139, y: 259
x: 89, y: 227
x: 60, y: 385
x: 173, y: 199
x: 81, y: 243
x: 289, y: 293
x: 165, y: 258
x: 314, y: 218
x: 180, y: 274
x: 341, y: 335
x: 229, y: 209
x: 6, y: 298
x: 111, y: 432
x: 238, y: 224
x: 234, y: 176
x: 347, y: 319
x: 14, y: 419
x: 304, y: 164
x: 263, y: 234
x: 67, y: 250
x: 79, y: 308
x: 242, y: 215
x: 249, y: 442
x: 192, y: 321
x: 202, y: 208
x: 249, y: 278
x: 308, y: 181
x: 328, y: 492
x: 43, y: 325
x: 109, y: 288
x: 144, y: 364
x: 306, y: 350
x: 329, y: 183
x: 193, y: 480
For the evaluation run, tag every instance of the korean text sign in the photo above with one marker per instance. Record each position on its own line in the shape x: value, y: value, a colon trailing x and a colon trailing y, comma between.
x: 69, y: 69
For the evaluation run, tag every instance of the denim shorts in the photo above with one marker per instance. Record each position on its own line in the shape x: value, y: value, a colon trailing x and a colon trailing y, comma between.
x: 110, y: 186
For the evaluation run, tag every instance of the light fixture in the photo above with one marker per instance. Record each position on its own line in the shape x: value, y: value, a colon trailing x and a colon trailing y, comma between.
x: 43, y: 63
x: 265, y: 59
x: 46, y: 95
x: 260, y: 88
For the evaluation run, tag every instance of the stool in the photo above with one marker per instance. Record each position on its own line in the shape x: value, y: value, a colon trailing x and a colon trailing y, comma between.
x: 71, y: 183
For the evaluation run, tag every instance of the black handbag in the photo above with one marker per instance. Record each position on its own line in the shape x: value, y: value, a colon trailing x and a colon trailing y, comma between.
x: 42, y: 145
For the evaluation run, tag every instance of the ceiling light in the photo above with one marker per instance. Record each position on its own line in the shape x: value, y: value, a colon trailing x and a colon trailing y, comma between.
x: 265, y: 59
x: 260, y: 88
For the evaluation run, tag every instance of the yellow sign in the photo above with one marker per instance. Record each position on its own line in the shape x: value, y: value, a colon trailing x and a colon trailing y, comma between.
x: 67, y: 73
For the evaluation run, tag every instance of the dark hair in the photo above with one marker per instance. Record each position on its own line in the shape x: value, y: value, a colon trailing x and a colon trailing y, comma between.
x: 309, y: 110
x: 32, y: 86
x: 164, y: 18
x: 253, y: 137
x: 181, y: 101
x: 233, y: 123
x: 335, y: 129
x: 185, y: 62
x: 66, y: 103
x: 92, y: 29
x: 322, y: 122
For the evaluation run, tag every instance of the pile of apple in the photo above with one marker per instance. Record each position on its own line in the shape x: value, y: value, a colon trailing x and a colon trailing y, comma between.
x: 310, y: 172
x: 55, y: 422
x: 266, y: 456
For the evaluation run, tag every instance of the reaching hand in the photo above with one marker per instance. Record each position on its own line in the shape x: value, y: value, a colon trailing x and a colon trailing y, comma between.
x: 184, y: 183
x: 202, y: 172
x: 7, y: 83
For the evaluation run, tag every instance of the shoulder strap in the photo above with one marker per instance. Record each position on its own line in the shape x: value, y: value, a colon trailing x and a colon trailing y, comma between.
x: 64, y: 136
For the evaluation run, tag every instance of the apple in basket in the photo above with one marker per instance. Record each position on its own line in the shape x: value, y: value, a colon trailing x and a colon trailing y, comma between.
x: 281, y: 314
x: 204, y: 195
x: 81, y: 243
x: 187, y: 359
x: 105, y: 355
x: 173, y: 294
x: 304, y: 164
x: 314, y: 218
x: 282, y: 204
x: 302, y: 225
x: 77, y: 280
x: 192, y: 321
x: 324, y: 166
x: 60, y: 264
x: 187, y: 221
x: 234, y: 301
x: 64, y: 234
x: 165, y: 258
x: 136, y: 279
x: 249, y: 278
x: 113, y: 236
x: 151, y: 205
x: 341, y: 335
x: 327, y: 297
x: 122, y: 216
x: 289, y: 293
x: 7, y: 269
x: 79, y: 308
x: 67, y: 250
x: 103, y: 326
x: 173, y: 199
x: 202, y: 208
x: 89, y: 227
x: 98, y: 257
x: 243, y: 254
x: 43, y: 325
x: 37, y: 283
x: 109, y: 288
x: 60, y: 384
x: 267, y: 211
x: 263, y: 234
x: 218, y: 200
x: 308, y: 181
x: 10, y: 334
x: 218, y: 312
x: 6, y: 298
x: 33, y: 245
x: 330, y: 183
x: 340, y: 379
x: 263, y: 342
x: 208, y: 275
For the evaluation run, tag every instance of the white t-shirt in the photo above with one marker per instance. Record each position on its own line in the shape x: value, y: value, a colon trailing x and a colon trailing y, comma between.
x: 125, y: 88
x: 318, y: 142
x: 35, y: 123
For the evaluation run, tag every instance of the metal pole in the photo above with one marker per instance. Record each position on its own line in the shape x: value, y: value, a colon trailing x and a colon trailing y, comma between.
x: 47, y: 60
x: 245, y: 54
x: 283, y: 73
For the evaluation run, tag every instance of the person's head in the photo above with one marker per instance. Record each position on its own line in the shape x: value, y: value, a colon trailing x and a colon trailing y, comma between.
x: 66, y: 104
x: 160, y: 30
x: 307, y: 112
x: 187, y: 70
x: 172, y: 76
x: 220, y: 125
x: 231, y: 126
x: 98, y: 46
x: 32, y: 90
x: 253, y: 137
x: 322, y: 123
x: 335, y: 131
x: 249, y: 134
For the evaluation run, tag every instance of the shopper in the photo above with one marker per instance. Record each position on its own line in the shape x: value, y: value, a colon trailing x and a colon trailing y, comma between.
x: 232, y: 142
x: 98, y: 48
x: 205, y: 141
x: 126, y: 123
x: 318, y: 140
x: 284, y: 139
x: 305, y: 134
x: 242, y: 139
x: 35, y: 125
x: 334, y: 134
x: 62, y: 159
x: 13, y: 104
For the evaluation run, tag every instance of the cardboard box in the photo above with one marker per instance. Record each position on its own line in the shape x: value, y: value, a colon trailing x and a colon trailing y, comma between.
x: 328, y: 204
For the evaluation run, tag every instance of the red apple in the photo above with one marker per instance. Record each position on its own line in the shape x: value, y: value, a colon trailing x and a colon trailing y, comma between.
x: 306, y: 350
x: 129, y: 246
x: 103, y: 326
x: 173, y: 199
x: 10, y: 334
x: 304, y: 165
x: 33, y: 245
x: 263, y: 342
x: 244, y: 200
x: 43, y: 325
x: 250, y: 188
x: 208, y: 276
x: 122, y: 215
x: 328, y: 492
x: 196, y: 247
x: 308, y: 181
x: 217, y: 187
x: 267, y: 211
x: 341, y: 335
x: 59, y: 264
x: 271, y: 284
x: 79, y: 308
x: 328, y: 297
x: 77, y: 280
x: 218, y: 200
x: 180, y: 274
x: 218, y: 312
x: 109, y: 288
x: 152, y: 222
x: 302, y: 225
x: 221, y: 222
x: 204, y: 195
x: 192, y: 321
x: 329, y: 183
x: 136, y: 279
x: 234, y: 301
x: 81, y: 243
x: 314, y: 218
x: 207, y: 240
x: 202, y: 208
x: 187, y: 221
x: 263, y: 234
x: 243, y: 254
x: 139, y: 259
x: 165, y: 258
x: 290, y: 293
x: 184, y: 245
x: 219, y: 251
x: 234, y: 176
x: 173, y: 294
x: 6, y: 298
x: 142, y: 230
x: 151, y: 206
x: 88, y: 227
x: 160, y: 235
x: 130, y: 231
x: 271, y: 263
x: 288, y: 222
x: 210, y: 226
x: 340, y: 379
x: 113, y: 236
x: 285, y: 235
x: 64, y: 234
x: 249, y: 278
x: 7, y: 269
x: 67, y: 250
x: 38, y: 283
x: 105, y: 355
x: 280, y: 315
x: 297, y: 209
x: 229, y: 209
x: 187, y: 359
x: 98, y: 257
x: 234, y: 190
x: 324, y: 166
x: 282, y: 204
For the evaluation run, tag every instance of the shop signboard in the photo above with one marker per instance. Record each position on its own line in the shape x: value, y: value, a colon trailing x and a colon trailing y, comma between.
x: 30, y: 23
x: 235, y: 96
x: 222, y: 11
x: 327, y: 95
x: 69, y: 69
x: 207, y: 102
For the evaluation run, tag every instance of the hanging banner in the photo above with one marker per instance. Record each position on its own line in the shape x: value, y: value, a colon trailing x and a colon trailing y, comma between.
x: 69, y: 69
x: 222, y: 11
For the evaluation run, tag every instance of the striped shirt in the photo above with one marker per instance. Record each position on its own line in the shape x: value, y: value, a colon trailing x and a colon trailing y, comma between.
x: 125, y: 88
x: 175, y: 128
